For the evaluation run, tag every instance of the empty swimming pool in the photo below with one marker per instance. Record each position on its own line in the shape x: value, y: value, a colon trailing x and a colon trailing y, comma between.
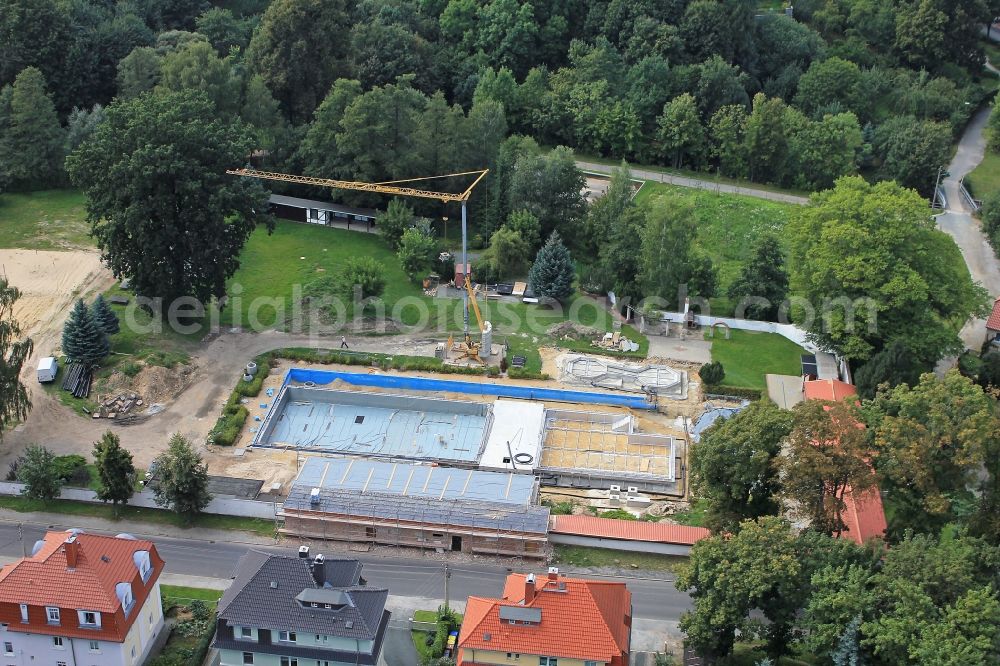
x: 375, y: 424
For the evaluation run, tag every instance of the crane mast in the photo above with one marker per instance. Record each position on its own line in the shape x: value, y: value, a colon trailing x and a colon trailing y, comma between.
x: 398, y: 188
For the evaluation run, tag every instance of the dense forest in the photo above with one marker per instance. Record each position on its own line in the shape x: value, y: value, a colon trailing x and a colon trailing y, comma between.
x: 845, y: 85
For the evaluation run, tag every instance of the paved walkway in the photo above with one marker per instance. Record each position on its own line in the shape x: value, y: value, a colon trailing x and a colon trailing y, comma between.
x: 958, y: 222
x: 698, y: 183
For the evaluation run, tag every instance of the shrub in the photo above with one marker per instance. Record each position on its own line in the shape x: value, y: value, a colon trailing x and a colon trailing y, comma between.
x: 618, y: 514
x: 559, y: 508
x: 200, y: 610
x: 712, y: 373
x: 72, y: 470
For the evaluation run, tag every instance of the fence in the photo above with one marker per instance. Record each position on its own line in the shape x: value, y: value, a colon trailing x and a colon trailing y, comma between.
x: 227, y: 506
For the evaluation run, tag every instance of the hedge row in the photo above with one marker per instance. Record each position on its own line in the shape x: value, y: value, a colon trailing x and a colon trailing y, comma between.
x: 734, y: 392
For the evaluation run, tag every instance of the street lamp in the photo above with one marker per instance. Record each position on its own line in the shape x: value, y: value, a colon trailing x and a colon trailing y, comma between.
x: 445, y: 218
x: 942, y: 173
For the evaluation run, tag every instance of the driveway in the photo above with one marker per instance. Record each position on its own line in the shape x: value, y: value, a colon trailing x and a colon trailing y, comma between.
x: 397, y: 649
x: 957, y: 221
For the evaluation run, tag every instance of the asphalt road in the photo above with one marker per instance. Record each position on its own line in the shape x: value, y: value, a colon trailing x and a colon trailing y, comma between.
x: 958, y: 222
x: 652, y: 599
x: 697, y: 183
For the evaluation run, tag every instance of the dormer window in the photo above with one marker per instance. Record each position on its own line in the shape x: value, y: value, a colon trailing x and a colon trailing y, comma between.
x: 24, y: 612
x: 142, y: 563
x: 124, y: 592
x: 52, y: 613
x: 89, y: 619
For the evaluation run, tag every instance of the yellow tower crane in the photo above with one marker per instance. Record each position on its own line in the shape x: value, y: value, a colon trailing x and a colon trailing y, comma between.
x: 395, y: 187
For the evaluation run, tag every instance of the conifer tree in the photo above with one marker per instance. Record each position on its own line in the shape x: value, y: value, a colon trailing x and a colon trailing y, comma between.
x: 115, y: 469
x: 104, y: 316
x: 32, y: 143
x: 83, y: 341
x: 552, y: 273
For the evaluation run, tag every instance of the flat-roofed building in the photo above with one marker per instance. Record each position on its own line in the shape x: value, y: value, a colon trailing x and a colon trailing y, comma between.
x: 424, y: 506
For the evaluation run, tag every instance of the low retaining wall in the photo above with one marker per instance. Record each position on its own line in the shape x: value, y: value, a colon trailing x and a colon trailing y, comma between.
x: 226, y: 506
x: 789, y: 331
x: 323, y: 377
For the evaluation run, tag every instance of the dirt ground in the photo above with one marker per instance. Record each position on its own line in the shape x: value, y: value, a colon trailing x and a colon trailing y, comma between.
x: 49, y: 283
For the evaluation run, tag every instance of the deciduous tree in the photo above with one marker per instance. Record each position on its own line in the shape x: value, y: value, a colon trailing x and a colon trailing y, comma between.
x: 182, y: 477
x: 875, y: 269
x: 932, y: 441
x: 160, y: 204
x: 301, y: 48
x: 733, y: 465
x: 681, y: 136
x: 15, y: 348
x: 392, y: 224
x: 416, y: 252
x: 37, y: 471
x: 827, y: 454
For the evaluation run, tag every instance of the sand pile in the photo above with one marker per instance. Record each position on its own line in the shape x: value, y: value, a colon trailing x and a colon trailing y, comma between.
x: 154, y: 383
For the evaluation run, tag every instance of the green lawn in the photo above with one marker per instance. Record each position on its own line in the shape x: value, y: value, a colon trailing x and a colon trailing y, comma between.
x: 583, y: 556
x: 179, y: 594
x: 747, y: 356
x: 728, y: 227
x: 694, y: 515
x: 43, y: 220
x: 157, y: 516
x: 985, y: 178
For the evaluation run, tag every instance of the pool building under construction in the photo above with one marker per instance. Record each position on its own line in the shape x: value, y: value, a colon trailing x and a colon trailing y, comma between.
x: 396, y: 465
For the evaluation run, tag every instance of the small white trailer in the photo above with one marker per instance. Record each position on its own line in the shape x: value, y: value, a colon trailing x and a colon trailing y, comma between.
x: 47, y: 369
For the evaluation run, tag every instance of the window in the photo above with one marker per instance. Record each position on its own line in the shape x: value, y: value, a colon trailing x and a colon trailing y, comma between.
x: 133, y: 652
x: 57, y: 642
x: 548, y: 661
x: 24, y: 612
x: 590, y: 663
x: 286, y: 636
x: 248, y: 657
x: 53, y: 614
x: 60, y: 663
x: 246, y: 632
x: 123, y: 591
x: 151, y: 619
x: 8, y: 647
x: 89, y: 619
x: 289, y: 661
x: 513, y: 655
x: 95, y: 646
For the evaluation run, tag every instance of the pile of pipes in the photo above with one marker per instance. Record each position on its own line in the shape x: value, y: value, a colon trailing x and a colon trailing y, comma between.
x: 77, y: 380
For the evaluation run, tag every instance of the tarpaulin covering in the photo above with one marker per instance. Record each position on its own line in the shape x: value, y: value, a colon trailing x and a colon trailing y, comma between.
x: 323, y: 377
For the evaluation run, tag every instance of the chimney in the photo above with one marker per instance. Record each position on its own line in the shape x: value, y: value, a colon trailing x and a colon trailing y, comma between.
x: 72, y: 548
x: 529, y: 588
x: 553, y: 573
x: 319, y: 569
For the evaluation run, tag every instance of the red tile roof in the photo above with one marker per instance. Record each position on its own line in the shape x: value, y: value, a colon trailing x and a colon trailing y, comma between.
x: 603, y: 608
x: 828, y: 389
x: 993, y: 323
x: 628, y: 530
x: 863, y: 515
x: 46, y: 579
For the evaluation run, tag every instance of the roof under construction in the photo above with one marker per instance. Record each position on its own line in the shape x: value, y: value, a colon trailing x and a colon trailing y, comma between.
x: 383, y: 491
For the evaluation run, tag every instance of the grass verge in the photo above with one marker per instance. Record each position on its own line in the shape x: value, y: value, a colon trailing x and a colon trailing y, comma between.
x: 44, y: 220
x: 257, y: 526
x: 583, y: 556
x: 747, y: 356
x: 179, y: 594
x: 985, y: 178
x: 728, y: 227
